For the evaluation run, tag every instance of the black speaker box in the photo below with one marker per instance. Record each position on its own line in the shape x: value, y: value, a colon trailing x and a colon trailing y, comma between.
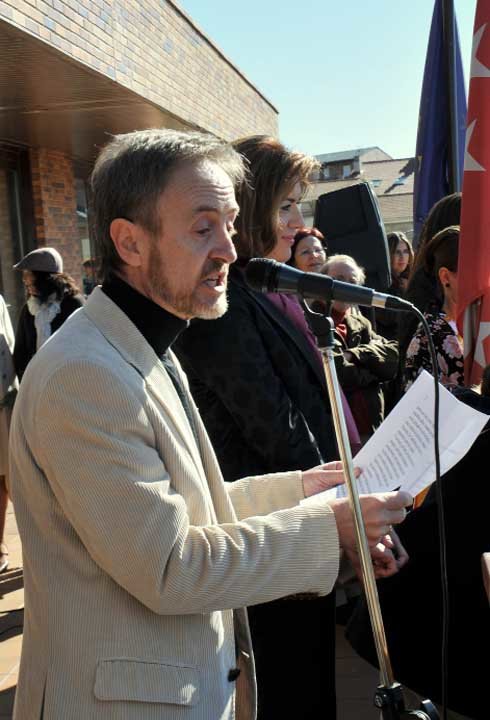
x: 351, y: 222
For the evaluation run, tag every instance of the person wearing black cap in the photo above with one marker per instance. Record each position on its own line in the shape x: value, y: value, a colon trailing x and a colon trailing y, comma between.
x: 52, y: 297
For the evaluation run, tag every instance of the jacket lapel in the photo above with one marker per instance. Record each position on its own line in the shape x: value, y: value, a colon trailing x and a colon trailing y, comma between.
x: 284, y: 322
x: 123, y: 335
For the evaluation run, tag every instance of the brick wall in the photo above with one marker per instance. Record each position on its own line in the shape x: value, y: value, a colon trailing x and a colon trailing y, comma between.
x: 54, y: 196
x: 153, y: 48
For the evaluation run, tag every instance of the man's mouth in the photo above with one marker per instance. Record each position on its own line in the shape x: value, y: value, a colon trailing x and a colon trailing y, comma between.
x: 216, y: 281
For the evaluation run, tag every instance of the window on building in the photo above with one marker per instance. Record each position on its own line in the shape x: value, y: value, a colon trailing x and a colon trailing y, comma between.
x: 89, y: 262
x: 82, y: 219
x: 400, y: 180
x: 346, y: 171
x: 376, y: 183
x: 16, y: 225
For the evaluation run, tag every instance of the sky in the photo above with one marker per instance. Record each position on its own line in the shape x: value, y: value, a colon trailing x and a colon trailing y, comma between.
x: 343, y: 74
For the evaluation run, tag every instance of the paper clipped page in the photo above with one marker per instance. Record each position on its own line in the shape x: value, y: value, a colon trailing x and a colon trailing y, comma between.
x: 401, y: 452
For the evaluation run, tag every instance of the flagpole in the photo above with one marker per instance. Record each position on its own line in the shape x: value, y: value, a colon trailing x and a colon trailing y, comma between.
x: 449, y: 26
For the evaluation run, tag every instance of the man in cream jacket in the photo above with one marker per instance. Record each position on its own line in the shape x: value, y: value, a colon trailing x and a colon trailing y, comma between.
x: 138, y: 559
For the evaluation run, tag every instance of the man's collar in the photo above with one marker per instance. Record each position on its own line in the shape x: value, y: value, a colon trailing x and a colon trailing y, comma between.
x: 159, y: 327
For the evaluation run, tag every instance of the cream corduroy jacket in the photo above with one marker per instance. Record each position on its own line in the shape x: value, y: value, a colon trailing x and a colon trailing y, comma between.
x: 137, y: 556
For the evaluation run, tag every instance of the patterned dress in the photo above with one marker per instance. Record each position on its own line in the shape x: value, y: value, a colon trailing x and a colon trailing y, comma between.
x: 449, y: 352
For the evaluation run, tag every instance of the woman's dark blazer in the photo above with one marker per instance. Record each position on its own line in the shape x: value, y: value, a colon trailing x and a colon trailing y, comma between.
x: 262, y: 396
x: 259, y: 387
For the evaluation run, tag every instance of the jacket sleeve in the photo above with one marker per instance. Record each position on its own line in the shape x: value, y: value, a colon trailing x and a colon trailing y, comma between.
x: 113, y: 487
x: 265, y: 494
x: 379, y: 356
x: 374, y: 359
x: 230, y: 358
x: 25, y: 346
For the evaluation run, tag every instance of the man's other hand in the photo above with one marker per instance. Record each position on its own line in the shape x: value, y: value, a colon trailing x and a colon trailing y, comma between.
x: 388, y: 556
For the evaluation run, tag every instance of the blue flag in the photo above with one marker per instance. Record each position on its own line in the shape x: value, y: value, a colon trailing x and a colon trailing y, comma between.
x: 433, y: 135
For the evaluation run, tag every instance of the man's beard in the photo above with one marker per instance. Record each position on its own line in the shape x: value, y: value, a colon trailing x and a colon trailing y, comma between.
x: 184, y: 303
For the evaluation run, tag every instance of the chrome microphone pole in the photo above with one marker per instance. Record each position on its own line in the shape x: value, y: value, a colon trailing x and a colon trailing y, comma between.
x: 389, y: 695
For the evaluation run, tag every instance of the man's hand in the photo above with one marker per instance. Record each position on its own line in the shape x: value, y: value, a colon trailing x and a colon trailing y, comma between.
x: 380, y: 511
x: 324, y: 477
x: 388, y: 556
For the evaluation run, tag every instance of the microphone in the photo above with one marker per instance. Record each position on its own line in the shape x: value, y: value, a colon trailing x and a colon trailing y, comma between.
x: 265, y: 275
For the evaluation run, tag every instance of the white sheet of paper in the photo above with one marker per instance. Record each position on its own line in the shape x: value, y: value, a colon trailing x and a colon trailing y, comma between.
x: 401, y: 451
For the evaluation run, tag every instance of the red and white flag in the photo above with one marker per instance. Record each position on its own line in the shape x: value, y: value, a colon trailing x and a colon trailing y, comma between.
x: 474, y: 247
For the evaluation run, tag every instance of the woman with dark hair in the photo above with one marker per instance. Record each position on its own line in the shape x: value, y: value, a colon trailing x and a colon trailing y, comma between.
x: 309, y: 250
x: 52, y: 297
x: 445, y: 213
x: 258, y: 381
x: 401, y: 261
x: 422, y: 286
x: 441, y: 263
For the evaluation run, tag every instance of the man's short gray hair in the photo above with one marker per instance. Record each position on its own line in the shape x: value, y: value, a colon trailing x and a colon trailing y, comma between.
x: 133, y: 170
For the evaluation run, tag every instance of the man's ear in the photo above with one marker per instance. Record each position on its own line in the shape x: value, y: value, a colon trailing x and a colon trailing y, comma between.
x: 126, y: 238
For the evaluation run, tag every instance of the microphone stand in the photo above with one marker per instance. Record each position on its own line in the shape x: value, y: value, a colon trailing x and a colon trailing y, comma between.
x: 389, y: 694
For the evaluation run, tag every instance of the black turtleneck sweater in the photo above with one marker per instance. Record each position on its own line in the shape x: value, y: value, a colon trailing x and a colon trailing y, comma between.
x: 159, y: 328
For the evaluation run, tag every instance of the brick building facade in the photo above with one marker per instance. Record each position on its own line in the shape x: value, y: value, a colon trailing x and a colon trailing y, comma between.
x: 76, y: 71
x: 55, y: 205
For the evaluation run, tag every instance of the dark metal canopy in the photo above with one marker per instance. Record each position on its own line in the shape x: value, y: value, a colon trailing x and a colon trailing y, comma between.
x: 48, y: 99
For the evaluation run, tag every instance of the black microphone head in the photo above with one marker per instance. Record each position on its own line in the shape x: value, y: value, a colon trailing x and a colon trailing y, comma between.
x: 260, y: 274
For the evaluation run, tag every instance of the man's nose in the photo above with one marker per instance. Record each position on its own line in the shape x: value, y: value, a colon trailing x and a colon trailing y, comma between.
x: 226, y: 250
